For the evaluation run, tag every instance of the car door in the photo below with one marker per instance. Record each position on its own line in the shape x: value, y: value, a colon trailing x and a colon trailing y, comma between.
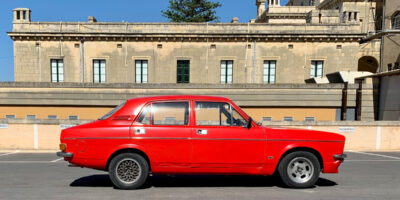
x: 219, y: 138
x: 163, y: 128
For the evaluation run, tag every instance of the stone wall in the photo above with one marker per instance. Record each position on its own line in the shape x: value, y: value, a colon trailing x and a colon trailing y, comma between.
x: 247, y: 95
x: 45, y: 134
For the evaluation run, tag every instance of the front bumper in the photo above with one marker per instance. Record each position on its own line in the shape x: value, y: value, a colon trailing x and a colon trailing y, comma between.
x: 65, y: 154
x: 340, y: 156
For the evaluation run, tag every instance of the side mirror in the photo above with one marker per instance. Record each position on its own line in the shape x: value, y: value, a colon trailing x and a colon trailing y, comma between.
x: 249, y: 123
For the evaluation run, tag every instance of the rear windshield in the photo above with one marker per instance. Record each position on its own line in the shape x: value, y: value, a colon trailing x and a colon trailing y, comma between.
x: 109, y: 114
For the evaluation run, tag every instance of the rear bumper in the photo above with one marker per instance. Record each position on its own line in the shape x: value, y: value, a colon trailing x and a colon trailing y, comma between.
x: 65, y: 154
x: 340, y: 156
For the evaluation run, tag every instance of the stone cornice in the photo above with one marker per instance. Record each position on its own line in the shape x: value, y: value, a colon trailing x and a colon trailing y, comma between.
x: 122, y: 37
x: 327, y: 4
x: 48, y: 85
x: 286, y: 15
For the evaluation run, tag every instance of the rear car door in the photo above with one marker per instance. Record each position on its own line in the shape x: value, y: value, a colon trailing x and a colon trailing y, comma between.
x: 163, y: 128
x: 220, y: 140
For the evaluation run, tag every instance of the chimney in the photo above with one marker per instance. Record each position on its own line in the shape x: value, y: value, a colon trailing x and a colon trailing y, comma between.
x: 260, y: 7
x: 92, y: 19
x: 22, y: 15
x: 235, y: 20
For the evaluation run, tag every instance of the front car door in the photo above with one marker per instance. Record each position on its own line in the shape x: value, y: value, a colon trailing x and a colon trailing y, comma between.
x: 220, y: 140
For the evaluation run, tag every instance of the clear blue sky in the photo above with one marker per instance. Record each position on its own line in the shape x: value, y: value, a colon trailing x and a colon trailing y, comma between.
x: 103, y: 10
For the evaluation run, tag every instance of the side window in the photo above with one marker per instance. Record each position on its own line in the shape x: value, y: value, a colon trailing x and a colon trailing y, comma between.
x: 170, y: 113
x: 113, y: 111
x: 144, y: 118
x: 238, y: 120
x: 217, y: 114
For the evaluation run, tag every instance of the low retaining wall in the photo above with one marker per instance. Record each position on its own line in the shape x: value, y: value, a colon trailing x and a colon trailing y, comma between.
x: 24, y: 134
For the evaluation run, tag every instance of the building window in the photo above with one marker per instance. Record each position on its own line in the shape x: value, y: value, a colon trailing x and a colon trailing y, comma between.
x: 99, y: 71
x: 10, y: 117
x: 309, y: 119
x: 317, y: 68
x: 31, y: 117
x: 57, y: 70
x: 350, y: 114
x: 396, y: 21
x: 183, y: 71
x: 226, y: 71
x: 141, y: 71
x: 288, y: 119
x: 269, y: 71
x: 52, y: 117
x: 267, y: 119
x: 73, y: 117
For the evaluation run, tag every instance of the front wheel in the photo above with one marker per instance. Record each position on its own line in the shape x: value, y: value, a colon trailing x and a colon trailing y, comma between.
x: 128, y: 171
x: 299, y: 169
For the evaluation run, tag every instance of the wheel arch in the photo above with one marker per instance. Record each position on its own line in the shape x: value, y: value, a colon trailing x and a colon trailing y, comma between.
x: 128, y: 150
x: 306, y: 149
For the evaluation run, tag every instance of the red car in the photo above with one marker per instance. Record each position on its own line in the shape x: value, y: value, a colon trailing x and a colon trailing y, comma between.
x: 197, y: 135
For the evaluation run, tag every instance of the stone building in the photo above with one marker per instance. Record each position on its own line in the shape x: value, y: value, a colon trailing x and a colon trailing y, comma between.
x: 262, y: 65
x: 284, y: 44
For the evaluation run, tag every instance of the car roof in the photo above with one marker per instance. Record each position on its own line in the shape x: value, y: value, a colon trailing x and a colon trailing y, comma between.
x: 177, y: 97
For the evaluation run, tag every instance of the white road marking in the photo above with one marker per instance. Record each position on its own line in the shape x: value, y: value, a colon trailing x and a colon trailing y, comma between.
x: 374, y: 154
x: 9, y: 153
x: 31, y: 162
x: 372, y: 161
x: 57, y: 160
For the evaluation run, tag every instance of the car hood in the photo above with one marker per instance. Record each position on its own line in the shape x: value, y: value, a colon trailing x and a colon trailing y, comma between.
x: 282, y: 133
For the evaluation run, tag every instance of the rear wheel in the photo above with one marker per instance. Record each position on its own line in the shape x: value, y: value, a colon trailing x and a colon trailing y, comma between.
x: 128, y: 171
x: 299, y: 169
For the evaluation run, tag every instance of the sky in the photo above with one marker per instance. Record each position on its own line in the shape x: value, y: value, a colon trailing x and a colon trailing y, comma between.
x: 104, y: 11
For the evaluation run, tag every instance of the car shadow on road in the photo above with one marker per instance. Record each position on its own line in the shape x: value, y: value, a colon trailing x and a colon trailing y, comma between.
x: 162, y: 181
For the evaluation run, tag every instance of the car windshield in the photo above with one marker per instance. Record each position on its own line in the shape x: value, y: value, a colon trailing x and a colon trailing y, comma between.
x: 106, y: 116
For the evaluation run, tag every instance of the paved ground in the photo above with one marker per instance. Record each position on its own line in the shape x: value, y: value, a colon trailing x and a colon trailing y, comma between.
x: 365, y: 175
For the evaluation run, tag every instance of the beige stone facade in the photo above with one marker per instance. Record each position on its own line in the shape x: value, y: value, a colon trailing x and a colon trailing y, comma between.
x: 294, y: 37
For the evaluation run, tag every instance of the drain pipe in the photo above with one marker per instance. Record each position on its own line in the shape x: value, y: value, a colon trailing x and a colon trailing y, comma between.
x: 344, y: 102
x: 253, y: 75
x: 383, y: 37
x: 82, y: 60
x: 359, y: 100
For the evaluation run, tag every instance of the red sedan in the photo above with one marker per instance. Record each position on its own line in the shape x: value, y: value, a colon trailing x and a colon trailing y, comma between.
x: 197, y: 135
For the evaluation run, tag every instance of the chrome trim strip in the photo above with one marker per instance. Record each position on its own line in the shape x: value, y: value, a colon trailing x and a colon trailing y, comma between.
x: 96, y: 138
x: 162, y: 138
x: 188, y: 138
x: 294, y: 140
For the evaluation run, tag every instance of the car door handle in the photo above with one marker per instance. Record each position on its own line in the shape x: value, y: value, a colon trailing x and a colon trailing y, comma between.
x: 201, y: 132
x: 140, y: 131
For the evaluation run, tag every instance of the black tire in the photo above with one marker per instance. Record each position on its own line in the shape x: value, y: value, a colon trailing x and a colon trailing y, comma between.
x: 299, y: 169
x: 133, y: 171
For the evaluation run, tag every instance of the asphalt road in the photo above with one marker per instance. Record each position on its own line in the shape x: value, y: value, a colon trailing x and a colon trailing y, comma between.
x: 364, y: 175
